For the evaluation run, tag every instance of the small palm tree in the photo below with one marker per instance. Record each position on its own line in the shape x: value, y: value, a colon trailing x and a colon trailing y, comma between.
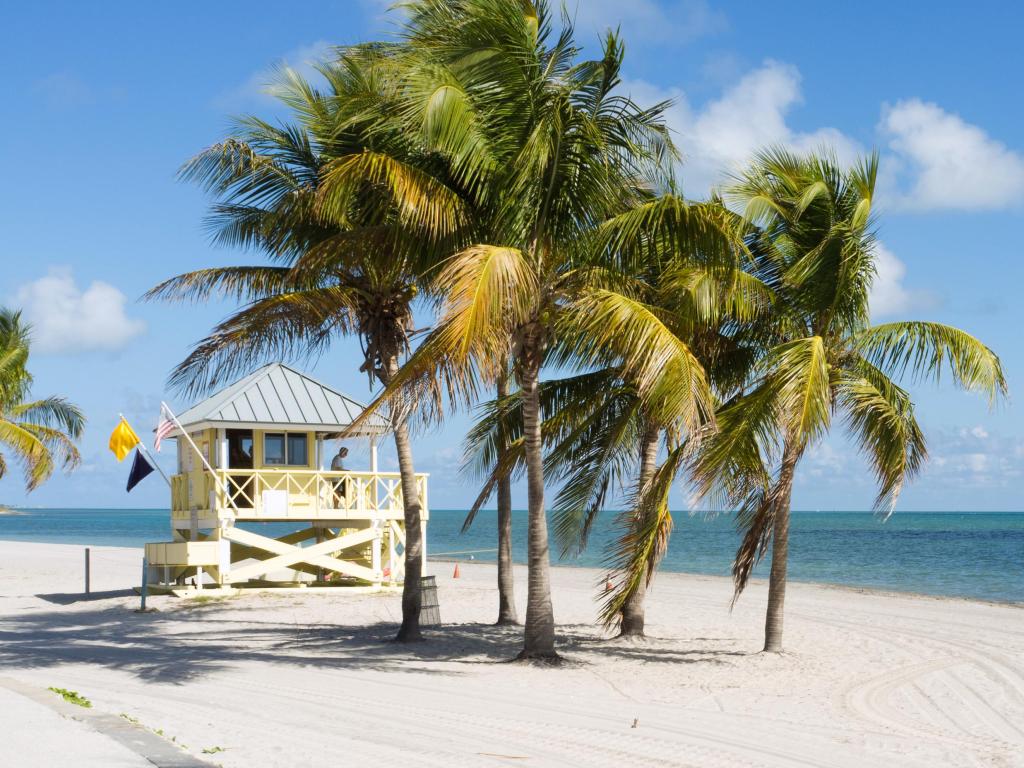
x: 38, y: 433
x: 817, y: 355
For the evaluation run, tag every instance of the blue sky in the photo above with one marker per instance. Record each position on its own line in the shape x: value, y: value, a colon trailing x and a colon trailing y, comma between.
x: 103, y: 102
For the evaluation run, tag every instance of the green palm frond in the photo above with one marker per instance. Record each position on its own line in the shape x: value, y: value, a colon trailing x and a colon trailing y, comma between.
x: 295, y: 325
x: 33, y: 432
x: 603, y: 325
x: 635, y: 556
x: 29, y: 450
x: 921, y: 350
x: 489, y: 291
x: 801, y: 374
x: 244, y: 284
x: 881, y: 416
x: 424, y: 203
x: 596, y: 457
x: 51, y: 412
x: 734, y: 460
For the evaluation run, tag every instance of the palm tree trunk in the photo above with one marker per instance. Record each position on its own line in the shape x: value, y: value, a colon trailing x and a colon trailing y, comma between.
x: 539, y: 636
x: 412, y: 597
x: 411, y: 594
x: 780, y: 549
x: 633, y: 609
x: 506, y: 587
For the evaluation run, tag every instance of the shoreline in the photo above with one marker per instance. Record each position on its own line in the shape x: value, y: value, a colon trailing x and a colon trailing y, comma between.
x: 599, y: 574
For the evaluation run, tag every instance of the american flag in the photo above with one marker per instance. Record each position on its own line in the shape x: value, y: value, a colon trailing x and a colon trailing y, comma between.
x: 164, y: 428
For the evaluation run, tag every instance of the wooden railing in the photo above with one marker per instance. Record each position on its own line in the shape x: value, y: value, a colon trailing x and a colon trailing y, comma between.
x: 298, y: 493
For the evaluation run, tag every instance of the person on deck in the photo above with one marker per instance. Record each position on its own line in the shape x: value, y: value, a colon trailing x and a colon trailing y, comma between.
x: 341, y: 484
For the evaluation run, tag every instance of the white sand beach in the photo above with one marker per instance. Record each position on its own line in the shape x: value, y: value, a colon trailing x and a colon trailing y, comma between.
x: 869, y: 679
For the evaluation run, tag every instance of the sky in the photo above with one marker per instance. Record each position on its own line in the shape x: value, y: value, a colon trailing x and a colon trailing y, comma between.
x: 104, y: 102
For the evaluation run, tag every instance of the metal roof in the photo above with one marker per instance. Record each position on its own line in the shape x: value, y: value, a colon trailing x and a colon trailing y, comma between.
x: 279, y: 396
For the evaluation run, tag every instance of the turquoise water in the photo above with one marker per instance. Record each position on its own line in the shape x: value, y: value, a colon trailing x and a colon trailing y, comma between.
x: 970, y: 554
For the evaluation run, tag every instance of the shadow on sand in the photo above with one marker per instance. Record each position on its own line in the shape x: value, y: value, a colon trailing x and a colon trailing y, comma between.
x: 69, y: 598
x: 182, y: 643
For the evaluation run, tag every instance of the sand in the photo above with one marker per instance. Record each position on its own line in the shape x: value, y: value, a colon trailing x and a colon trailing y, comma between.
x: 869, y: 678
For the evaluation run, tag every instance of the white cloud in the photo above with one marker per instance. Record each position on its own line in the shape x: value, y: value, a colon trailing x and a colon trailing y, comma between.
x: 751, y: 114
x: 948, y: 163
x: 935, y: 160
x: 972, y: 457
x: 65, y: 318
x: 888, y: 295
x: 258, y: 87
x: 648, y: 20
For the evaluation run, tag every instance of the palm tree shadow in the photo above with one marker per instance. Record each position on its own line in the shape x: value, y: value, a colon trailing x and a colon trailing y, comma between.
x: 181, y: 643
x: 186, y: 643
x: 654, y: 649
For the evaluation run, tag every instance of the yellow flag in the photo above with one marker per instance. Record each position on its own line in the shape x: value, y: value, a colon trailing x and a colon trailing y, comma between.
x: 123, y: 439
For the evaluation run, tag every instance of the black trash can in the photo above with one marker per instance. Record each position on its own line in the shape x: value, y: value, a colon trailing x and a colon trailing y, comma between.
x: 430, y: 608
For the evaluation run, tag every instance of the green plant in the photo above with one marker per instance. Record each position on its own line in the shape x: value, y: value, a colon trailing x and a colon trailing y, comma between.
x: 72, y: 697
x: 213, y: 750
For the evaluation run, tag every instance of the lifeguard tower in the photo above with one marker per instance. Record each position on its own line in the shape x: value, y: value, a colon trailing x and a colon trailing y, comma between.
x: 252, y: 504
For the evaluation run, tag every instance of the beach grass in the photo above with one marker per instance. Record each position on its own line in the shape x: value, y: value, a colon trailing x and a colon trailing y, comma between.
x: 72, y: 697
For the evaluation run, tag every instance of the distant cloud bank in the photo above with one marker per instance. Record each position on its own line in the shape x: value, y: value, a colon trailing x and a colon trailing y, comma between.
x: 66, y: 318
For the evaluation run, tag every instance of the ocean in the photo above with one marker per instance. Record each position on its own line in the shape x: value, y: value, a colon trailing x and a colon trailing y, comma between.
x: 969, y: 554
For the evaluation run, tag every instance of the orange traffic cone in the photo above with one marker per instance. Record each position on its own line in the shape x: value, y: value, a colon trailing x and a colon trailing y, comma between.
x: 455, y: 575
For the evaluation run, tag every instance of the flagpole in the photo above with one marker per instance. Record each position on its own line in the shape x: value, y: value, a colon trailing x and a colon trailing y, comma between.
x: 142, y: 447
x: 223, y: 487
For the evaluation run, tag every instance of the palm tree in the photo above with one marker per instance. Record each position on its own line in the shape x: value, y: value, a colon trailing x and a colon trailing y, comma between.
x: 812, y: 233
x: 38, y: 433
x: 549, y: 144
x: 348, y: 210
x: 699, y: 291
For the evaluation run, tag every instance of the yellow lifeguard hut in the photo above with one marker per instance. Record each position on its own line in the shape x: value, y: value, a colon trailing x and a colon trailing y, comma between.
x: 254, y: 454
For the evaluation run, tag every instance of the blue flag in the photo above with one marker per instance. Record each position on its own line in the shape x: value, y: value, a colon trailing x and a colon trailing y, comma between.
x: 140, y: 468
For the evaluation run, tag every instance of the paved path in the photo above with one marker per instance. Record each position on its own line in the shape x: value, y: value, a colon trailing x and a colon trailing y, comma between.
x: 41, y: 730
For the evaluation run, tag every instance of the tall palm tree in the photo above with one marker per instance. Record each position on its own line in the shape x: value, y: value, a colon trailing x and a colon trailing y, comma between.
x: 551, y: 146
x: 351, y: 213
x: 39, y: 434
x: 812, y: 233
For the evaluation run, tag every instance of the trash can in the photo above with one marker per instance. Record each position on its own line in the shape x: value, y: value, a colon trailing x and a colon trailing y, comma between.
x: 430, y: 608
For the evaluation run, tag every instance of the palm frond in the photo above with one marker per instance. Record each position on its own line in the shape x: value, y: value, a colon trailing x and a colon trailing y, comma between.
x: 881, y: 416
x: 923, y: 350
x: 646, y: 527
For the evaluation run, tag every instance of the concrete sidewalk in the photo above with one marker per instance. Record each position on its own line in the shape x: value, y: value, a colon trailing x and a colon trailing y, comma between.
x: 35, y: 736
